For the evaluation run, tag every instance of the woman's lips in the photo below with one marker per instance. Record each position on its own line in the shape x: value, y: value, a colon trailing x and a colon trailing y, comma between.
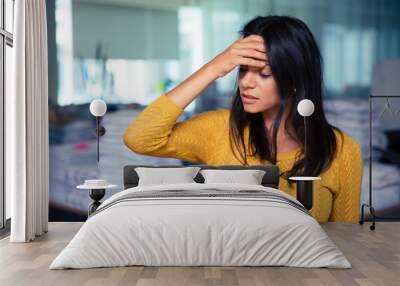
x: 249, y: 96
x: 248, y: 99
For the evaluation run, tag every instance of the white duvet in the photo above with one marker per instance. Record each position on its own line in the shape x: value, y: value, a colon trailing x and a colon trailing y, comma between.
x: 185, y: 231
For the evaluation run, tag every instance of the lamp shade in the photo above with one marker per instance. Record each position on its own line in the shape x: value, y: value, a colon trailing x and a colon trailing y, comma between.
x: 305, y: 107
x: 98, y: 107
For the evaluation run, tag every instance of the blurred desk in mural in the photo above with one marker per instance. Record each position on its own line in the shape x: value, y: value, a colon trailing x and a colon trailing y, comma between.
x: 73, y: 157
x: 73, y: 160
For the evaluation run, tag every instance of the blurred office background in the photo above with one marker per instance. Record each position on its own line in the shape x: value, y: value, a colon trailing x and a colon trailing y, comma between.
x: 128, y: 52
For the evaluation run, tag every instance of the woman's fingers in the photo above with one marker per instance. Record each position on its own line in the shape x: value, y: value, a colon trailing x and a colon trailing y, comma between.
x: 251, y: 53
x: 250, y: 62
x: 251, y: 45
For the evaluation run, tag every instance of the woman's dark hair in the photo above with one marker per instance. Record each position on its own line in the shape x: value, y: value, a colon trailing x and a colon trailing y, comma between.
x: 295, y: 62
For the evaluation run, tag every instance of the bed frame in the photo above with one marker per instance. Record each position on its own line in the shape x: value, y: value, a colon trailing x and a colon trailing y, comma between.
x: 270, y: 179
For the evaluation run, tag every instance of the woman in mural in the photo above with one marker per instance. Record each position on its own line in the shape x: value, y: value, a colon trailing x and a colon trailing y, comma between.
x: 279, y: 65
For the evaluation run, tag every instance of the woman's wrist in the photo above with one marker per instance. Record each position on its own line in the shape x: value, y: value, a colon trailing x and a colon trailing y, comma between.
x: 212, y: 71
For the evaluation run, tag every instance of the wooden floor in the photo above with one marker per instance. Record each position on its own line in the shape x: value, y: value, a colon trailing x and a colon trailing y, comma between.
x: 375, y: 256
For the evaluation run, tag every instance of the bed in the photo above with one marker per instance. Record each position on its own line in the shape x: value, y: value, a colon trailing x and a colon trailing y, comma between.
x: 201, y: 224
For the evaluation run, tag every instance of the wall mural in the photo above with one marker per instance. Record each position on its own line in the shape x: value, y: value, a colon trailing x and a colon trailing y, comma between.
x: 91, y: 58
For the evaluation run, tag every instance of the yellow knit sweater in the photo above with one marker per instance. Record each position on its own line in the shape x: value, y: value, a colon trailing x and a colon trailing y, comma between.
x: 204, y: 138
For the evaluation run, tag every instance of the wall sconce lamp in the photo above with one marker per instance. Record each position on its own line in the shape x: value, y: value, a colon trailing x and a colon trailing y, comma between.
x: 304, y: 184
x: 98, y: 108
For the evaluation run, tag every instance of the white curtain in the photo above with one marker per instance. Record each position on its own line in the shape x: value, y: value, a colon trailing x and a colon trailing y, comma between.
x: 27, y: 124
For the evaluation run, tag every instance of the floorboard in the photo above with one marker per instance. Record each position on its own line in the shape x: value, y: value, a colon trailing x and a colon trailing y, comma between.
x: 374, y: 255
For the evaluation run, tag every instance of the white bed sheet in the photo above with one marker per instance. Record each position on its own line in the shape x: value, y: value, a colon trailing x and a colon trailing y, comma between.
x: 200, y: 231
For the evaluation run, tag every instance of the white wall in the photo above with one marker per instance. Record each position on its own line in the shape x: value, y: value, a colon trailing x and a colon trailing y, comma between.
x: 124, y: 32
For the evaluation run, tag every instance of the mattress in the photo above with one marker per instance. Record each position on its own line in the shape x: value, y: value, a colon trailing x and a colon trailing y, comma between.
x: 201, y: 225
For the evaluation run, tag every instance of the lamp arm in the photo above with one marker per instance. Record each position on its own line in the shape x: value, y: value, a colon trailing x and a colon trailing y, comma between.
x: 305, y: 142
x: 98, y: 135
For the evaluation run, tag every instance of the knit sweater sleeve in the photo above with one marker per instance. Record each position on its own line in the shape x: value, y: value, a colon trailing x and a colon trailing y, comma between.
x: 346, y: 205
x: 156, y: 132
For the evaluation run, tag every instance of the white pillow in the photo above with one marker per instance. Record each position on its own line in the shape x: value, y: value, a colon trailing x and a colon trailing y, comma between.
x: 162, y: 176
x: 250, y: 177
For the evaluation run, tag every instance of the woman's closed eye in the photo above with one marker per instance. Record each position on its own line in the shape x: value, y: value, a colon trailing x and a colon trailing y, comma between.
x: 264, y: 75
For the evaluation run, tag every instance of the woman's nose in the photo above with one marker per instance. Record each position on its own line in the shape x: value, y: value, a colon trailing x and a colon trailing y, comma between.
x: 248, y: 80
